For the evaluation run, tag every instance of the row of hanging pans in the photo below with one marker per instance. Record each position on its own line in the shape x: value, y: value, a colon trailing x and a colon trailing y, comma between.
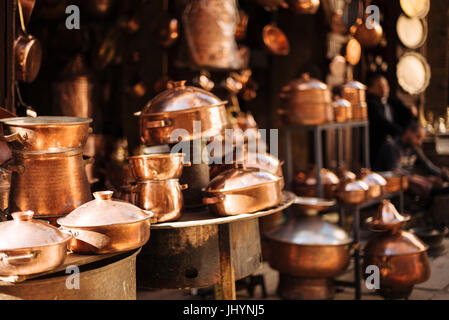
x: 412, y: 70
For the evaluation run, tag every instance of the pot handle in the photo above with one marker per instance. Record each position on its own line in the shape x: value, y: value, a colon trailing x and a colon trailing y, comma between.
x: 96, y: 239
x: 20, y: 169
x: 13, y: 137
x: 211, y: 200
x: 20, y: 258
x: 151, y: 124
x: 184, y: 186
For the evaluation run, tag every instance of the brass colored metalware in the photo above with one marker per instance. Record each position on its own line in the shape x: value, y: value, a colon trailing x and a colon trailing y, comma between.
x: 178, y: 108
x: 304, y: 6
x: 376, y: 183
x: 395, y: 181
x: 342, y: 110
x: 242, y: 25
x: 30, y: 246
x: 237, y: 191
x: 50, y: 184
x: 49, y: 133
x: 387, y: 218
x: 275, y: 41
x: 355, y: 93
x: 353, y: 192
x: 160, y: 166
x: 306, y: 101
x: 163, y: 197
x: 104, y: 225
x: 306, y: 185
x: 368, y: 36
x: 28, y: 58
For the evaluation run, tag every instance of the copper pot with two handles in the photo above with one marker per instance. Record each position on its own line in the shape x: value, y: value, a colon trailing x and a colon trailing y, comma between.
x: 48, y: 171
x: 161, y: 166
x: 177, y: 111
x: 306, y: 101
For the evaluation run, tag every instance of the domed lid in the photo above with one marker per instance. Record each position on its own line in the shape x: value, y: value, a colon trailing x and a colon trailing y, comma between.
x: 24, y: 232
x: 354, y: 85
x: 394, y: 244
x: 341, y: 103
x: 179, y: 97
x: 356, y: 185
x: 309, y: 178
x: 311, y: 231
x: 386, y: 218
x: 305, y: 83
x: 372, y: 178
x: 104, y: 211
x: 345, y: 175
x: 237, y: 179
x: 262, y: 161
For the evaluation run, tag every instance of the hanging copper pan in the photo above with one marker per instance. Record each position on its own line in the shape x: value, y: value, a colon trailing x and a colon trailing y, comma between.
x: 275, y: 41
x: 28, y: 57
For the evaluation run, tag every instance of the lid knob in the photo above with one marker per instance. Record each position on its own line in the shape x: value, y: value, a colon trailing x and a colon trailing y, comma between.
x: 103, y: 195
x: 23, y: 215
x: 176, y: 84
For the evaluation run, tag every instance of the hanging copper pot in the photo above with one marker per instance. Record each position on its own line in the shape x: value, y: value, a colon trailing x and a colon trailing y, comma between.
x: 275, y: 41
x: 400, y: 256
x: 28, y: 58
x: 367, y: 31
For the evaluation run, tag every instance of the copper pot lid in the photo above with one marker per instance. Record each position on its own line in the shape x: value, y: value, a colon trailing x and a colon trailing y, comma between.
x: 327, y: 177
x: 46, y: 121
x: 345, y: 175
x: 310, y: 231
x: 24, y: 232
x: 357, y: 185
x: 103, y: 211
x: 180, y: 97
x: 354, y: 85
x: 394, y: 244
x: 239, y: 179
x: 305, y: 83
x: 386, y: 218
x: 341, y: 103
x: 372, y: 178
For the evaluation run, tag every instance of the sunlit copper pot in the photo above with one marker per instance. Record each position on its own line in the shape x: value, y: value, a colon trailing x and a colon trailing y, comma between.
x: 160, y: 166
x: 306, y: 101
x: 163, y: 197
x: 50, y: 184
x: 353, y: 192
x: 306, y: 184
x: 30, y: 246
x: 45, y: 133
x: 182, y: 107
x: 105, y: 225
x: 342, y: 110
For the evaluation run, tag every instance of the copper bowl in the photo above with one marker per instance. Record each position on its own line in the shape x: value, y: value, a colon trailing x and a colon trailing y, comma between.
x: 161, y: 166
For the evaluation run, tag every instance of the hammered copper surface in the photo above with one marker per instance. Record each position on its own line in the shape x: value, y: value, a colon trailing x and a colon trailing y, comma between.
x: 161, y: 166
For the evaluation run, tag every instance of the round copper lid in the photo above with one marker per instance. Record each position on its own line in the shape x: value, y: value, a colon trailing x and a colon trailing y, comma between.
x: 354, y: 85
x: 372, y: 178
x: 386, y: 218
x: 104, y: 211
x: 310, y: 231
x: 341, y: 103
x: 24, y: 232
x: 180, y: 97
x: 237, y: 179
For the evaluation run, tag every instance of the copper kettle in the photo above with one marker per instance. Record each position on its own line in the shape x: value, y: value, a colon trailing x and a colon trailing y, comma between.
x: 367, y: 31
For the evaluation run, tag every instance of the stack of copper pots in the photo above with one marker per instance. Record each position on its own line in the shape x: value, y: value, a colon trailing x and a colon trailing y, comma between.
x: 157, y: 186
x: 308, y: 252
x: 355, y: 93
x: 400, y: 256
x: 48, y: 171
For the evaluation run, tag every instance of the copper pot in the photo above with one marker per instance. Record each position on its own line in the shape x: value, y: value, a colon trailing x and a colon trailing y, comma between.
x: 160, y: 166
x: 355, y: 93
x: 367, y: 36
x: 45, y: 133
x: 395, y: 181
x: 304, y: 6
x: 164, y: 198
x: 238, y: 191
x: 30, y: 246
x: 376, y: 183
x: 50, y: 184
x: 104, y: 225
x: 400, y: 255
x: 342, y: 110
x: 353, y: 192
x: 306, y: 101
x: 28, y: 57
x: 305, y: 183
x: 173, y: 113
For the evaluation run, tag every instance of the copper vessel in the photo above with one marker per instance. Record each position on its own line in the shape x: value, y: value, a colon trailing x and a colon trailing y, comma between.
x: 160, y: 166
x: 47, y: 133
x: 308, y: 252
x: 304, y: 6
x: 163, y: 197
x: 376, y: 183
x: 306, y: 101
x: 342, y: 110
x: 30, y: 246
x: 28, y: 57
x: 305, y: 183
x: 367, y: 36
x: 210, y: 33
x: 237, y: 191
x: 345, y: 175
x: 396, y: 181
x: 355, y: 93
x: 50, y: 184
x: 275, y: 41
x: 177, y: 111
x: 353, y: 192
x: 104, y: 225
x: 400, y: 255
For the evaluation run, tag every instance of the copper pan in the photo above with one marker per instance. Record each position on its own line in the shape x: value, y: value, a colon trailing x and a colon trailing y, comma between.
x: 45, y: 133
x: 28, y: 57
x: 275, y: 41
x: 160, y: 166
x: 163, y: 197
x: 354, y: 192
